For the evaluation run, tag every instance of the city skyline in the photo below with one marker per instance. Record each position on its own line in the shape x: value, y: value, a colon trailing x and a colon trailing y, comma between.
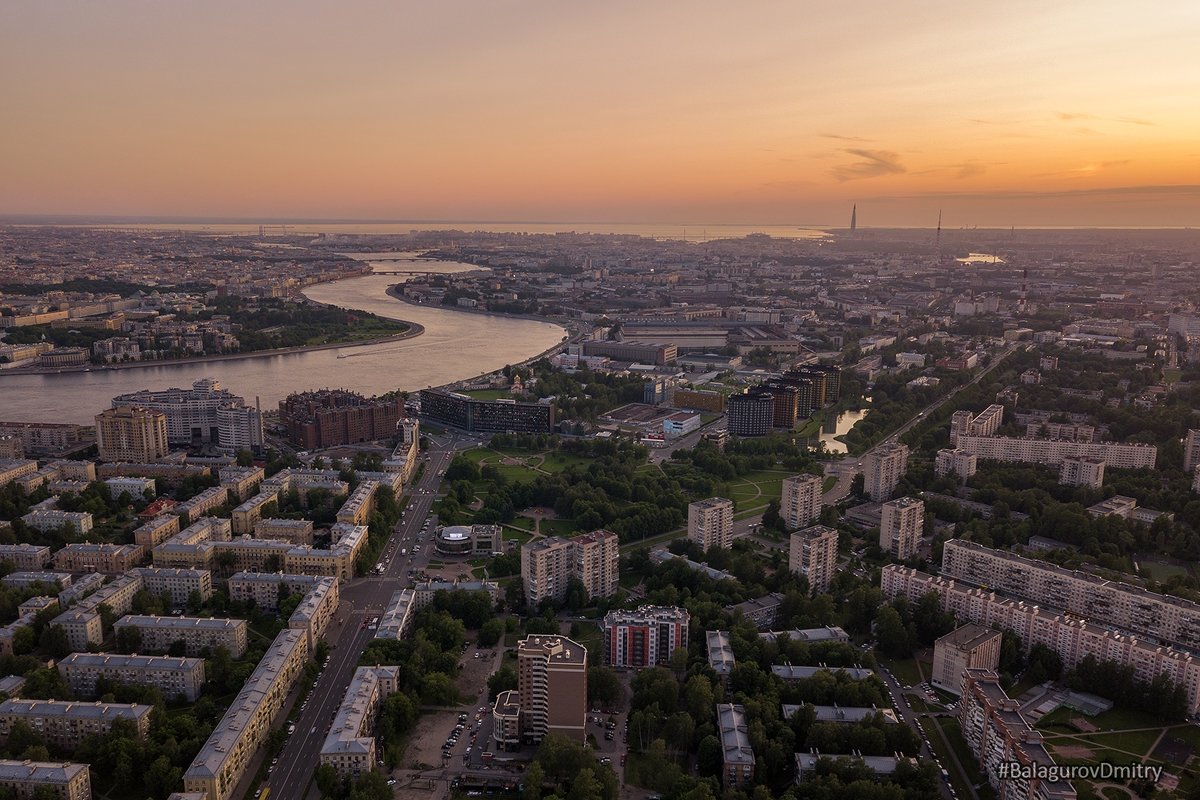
x: 1020, y: 115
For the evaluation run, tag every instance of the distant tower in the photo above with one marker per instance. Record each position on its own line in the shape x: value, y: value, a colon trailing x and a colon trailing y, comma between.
x: 939, y: 237
x: 854, y: 218
x: 1021, y: 308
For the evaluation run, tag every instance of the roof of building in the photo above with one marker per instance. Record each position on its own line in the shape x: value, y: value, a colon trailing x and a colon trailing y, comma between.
x: 735, y: 741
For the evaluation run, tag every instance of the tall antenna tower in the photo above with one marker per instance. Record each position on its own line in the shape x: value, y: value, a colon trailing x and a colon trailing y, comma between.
x: 939, y: 237
x: 1024, y: 288
x: 854, y: 218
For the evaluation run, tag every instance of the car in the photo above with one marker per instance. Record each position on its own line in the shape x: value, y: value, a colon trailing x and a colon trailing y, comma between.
x: 391, y: 782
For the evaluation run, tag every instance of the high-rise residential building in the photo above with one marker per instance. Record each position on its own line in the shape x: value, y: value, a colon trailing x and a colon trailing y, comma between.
x: 645, y: 637
x: 1196, y: 481
x: 737, y: 756
x: 597, y: 560
x: 901, y: 527
x: 551, y: 687
x: 999, y: 736
x: 813, y: 554
x: 883, y: 469
x: 548, y: 564
x: 750, y: 414
x: 487, y: 416
x: 969, y: 646
x: 1191, y: 450
x: 986, y: 423
x: 957, y: 462
x: 800, y: 503
x: 131, y: 434
x: 204, y: 414
x: 1082, y: 471
x: 710, y: 522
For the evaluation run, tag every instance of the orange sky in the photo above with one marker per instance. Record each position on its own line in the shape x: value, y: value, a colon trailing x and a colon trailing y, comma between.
x: 1021, y: 113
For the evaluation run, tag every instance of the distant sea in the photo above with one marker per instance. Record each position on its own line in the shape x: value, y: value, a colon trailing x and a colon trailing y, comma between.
x: 698, y: 232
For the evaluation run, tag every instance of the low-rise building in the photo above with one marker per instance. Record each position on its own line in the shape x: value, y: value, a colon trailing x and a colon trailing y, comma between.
x: 180, y: 584
x: 359, y: 505
x: 720, y: 655
x: 396, y: 621
x: 50, y: 519
x: 25, y: 556
x: 199, y: 635
x: 102, y: 557
x: 53, y: 580
x: 67, y: 781
x: 241, y: 482
x: 849, y: 714
x: 737, y: 756
x: 202, y: 504
x: 349, y: 746
x: 294, y: 531
x: 66, y: 724
x: 175, y: 677
x: 158, y: 530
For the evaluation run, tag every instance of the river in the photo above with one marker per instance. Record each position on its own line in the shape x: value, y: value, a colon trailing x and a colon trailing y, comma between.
x: 839, y: 425
x: 456, y: 345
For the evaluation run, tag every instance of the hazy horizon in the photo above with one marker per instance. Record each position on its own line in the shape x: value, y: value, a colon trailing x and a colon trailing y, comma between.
x: 779, y: 113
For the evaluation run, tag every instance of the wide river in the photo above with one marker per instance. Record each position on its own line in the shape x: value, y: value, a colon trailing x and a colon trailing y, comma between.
x: 456, y: 345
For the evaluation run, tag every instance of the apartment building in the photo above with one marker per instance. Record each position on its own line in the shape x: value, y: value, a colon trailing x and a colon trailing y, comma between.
x: 762, y: 611
x: 966, y: 647
x: 645, y: 637
x: 901, y: 526
x: 359, y: 505
x: 552, y: 687
x: 131, y: 434
x: 51, y: 519
x: 204, y: 414
x: 1196, y: 481
x: 330, y: 417
x: 180, y: 584
x: 737, y: 756
x: 720, y: 654
x: 1082, y: 471
x: 998, y: 734
x: 986, y: 423
x: 1122, y: 605
x: 710, y: 523
x: 83, y: 623
x: 223, y: 759
x: 321, y: 595
x: 153, y: 533
x: 506, y: 721
x: 176, y: 677
x: 396, y: 621
x: 53, y: 580
x: 801, y: 501
x: 1052, y: 452
x: 66, y: 781
x: 25, y: 556
x: 1191, y: 450
x: 349, y: 746
x: 751, y: 413
x: 107, y: 559
x: 317, y: 609
x: 202, y: 504
x: 548, y: 564
x: 1069, y: 636
x: 199, y: 635
x: 241, y: 482
x: 44, y: 437
x: 956, y: 462
x: 812, y: 553
x: 13, y: 468
x: 883, y: 469
x: 293, y: 531
x: 66, y: 724
x: 247, y: 514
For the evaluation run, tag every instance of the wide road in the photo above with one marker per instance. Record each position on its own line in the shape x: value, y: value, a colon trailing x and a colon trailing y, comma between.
x: 361, y: 600
x: 850, y: 467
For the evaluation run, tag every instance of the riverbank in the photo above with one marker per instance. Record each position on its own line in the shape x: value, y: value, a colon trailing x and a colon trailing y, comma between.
x: 413, y: 331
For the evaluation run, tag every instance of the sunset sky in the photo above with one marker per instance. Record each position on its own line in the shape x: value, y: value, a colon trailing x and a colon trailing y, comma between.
x: 1019, y: 113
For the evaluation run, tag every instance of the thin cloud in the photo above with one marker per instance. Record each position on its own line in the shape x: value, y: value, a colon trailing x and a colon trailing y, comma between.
x: 1135, y: 120
x: 874, y: 163
x: 840, y: 137
x: 1184, y: 190
x: 1070, y: 115
x: 969, y: 169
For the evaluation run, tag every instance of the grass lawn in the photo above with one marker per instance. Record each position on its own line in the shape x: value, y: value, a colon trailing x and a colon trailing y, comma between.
x: 1021, y: 687
x: 521, y: 536
x: 1138, y: 742
x: 953, y: 733
x: 558, y: 527
x: 905, y: 670
x: 477, y: 454
x: 589, y: 635
x: 1160, y: 571
x: 1120, y: 719
x: 1189, y: 733
x: 961, y: 786
x: 557, y: 462
x: 829, y: 483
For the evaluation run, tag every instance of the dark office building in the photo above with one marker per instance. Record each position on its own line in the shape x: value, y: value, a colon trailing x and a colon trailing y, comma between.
x: 750, y: 414
x: 486, y: 416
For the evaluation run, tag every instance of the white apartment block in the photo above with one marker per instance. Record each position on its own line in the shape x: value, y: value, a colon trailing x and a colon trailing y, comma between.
x: 956, y: 462
x: 986, y: 423
x: 597, y: 560
x: 710, y: 522
x: 1072, y: 638
x: 1122, y: 605
x: 1052, y: 452
x: 349, y: 746
x: 883, y: 469
x: 223, y: 759
x: 205, y: 413
x: 1191, y: 450
x: 200, y: 635
x: 136, y: 487
x: 67, y: 781
x: 49, y: 519
x: 901, y: 526
x: 1082, y: 471
x: 801, y: 500
x: 67, y: 724
x: 175, y: 677
x: 813, y: 554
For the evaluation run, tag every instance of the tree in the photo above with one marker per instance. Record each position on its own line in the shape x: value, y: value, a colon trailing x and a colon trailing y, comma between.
x: 709, y: 757
x: 245, y: 458
x: 604, y: 688
x: 55, y: 641
x: 891, y: 634
x: 129, y: 639
x: 504, y: 679
x: 161, y: 777
x: 491, y: 632
x: 535, y: 776
x: 584, y: 786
